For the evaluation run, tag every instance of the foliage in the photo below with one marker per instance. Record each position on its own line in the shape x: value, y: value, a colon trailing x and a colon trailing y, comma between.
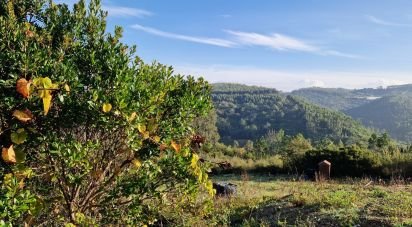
x: 206, y: 127
x: 358, y: 162
x: 91, y: 134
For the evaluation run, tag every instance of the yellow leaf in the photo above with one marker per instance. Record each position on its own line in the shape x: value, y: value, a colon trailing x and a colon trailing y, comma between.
x: 8, y: 155
x: 23, y: 116
x: 175, y: 146
x: 141, y: 128
x: 21, y: 184
x: 23, y: 87
x: 67, y: 88
x: 107, y: 107
x: 45, y: 88
x: 47, y: 83
x: 146, y: 135
x: 209, y: 187
x: 132, y: 117
x: 47, y: 101
x: 156, y: 139
x: 194, y: 160
x: 199, y: 176
x: 137, y: 163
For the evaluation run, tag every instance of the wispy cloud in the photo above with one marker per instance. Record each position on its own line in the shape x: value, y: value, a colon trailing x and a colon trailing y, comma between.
x: 119, y: 11
x: 339, y: 54
x: 283, y: 43
x: 275, y: 41
x: 203, y: 40
x: 376, y: 20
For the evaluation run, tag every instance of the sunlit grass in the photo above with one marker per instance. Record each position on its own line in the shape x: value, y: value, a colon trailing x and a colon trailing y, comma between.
x: 276, y: 201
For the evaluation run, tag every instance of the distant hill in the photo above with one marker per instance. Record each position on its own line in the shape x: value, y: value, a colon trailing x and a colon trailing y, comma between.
x: 390, y: 113
x: 386, y: 109
x: 248, y: 112
x: 345, y: 99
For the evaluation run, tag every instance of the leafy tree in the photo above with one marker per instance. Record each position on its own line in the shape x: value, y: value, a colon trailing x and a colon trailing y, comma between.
x: 206, y: 127
x: 382, y: 143
x: 298, y: 145
x: 90, y: 134
x: 249, y: 146
x: 272, y: 143
x: 372, y: 142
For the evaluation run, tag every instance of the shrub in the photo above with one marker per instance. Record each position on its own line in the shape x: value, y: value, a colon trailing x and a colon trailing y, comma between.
x: 346, y: 162
x: 90, y: 134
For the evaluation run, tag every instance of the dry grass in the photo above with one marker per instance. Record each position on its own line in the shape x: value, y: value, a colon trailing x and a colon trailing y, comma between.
x: 283, y: 201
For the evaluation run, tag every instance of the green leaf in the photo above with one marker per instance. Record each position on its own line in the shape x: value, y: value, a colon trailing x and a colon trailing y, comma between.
x: 19, y: 136
x: 20, y: 156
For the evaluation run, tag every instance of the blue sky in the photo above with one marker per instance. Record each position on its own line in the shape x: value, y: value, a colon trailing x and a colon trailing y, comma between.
x: 275, y: 43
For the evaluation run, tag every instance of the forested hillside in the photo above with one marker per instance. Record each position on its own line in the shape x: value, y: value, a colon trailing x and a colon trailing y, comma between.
x: 248, y: 113
x: 386, y: 109
x: 392, y: 114
x: 334, y: 98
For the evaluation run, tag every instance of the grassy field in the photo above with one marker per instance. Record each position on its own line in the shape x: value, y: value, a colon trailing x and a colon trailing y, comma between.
x: 284, y: 201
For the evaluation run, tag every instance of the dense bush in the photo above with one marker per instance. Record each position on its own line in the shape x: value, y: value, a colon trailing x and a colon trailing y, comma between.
x: 90, y: 134
x: 356, y: 162
x: 345, y: 162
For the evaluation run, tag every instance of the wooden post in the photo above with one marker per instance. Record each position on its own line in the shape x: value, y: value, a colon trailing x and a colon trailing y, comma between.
x: 324, y: 170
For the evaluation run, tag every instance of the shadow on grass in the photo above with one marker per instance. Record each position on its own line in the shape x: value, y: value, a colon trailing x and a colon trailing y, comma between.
x: 286, y: 212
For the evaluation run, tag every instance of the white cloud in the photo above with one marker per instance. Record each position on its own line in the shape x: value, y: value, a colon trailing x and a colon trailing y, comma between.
x: 283, y: 43
x: 339, y: 54
x: 386, y: 23
x: 275, y: 41
x: 291, y: 80
x: 119, y: 11
x: 203, y: 40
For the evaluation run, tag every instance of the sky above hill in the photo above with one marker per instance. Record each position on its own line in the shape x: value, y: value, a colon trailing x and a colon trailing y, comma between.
x: 282, y: 44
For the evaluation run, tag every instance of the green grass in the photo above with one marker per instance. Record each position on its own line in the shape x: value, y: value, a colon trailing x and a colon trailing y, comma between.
x: 284, y: 201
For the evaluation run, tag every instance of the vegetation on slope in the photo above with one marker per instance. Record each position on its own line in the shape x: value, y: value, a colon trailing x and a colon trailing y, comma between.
x: 392, y: 114
x: 385, y: 109
x: 248, y: 113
